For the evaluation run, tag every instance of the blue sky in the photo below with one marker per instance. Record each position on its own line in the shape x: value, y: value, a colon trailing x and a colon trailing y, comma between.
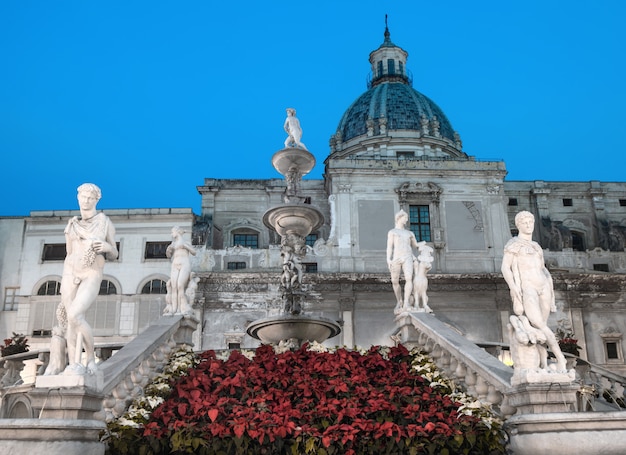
x: 148, y: 98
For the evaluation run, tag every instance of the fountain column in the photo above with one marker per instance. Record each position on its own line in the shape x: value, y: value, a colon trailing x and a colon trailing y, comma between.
x: 293, y: 220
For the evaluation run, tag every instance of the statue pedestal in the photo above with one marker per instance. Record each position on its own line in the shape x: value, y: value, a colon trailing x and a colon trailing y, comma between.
x: 93, y: 381
x: 542, y: 398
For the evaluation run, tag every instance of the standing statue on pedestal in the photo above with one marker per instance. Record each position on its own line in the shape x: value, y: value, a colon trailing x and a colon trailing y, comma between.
x: 532, y: 292
x: 89, y: 238
x: 180, y: 275
x: 400, y: 244
x: 293, y: 130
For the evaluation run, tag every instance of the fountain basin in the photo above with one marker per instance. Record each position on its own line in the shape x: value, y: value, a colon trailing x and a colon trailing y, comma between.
x: 284, y: 327
x: 301, y: 219
x: 284, y: 159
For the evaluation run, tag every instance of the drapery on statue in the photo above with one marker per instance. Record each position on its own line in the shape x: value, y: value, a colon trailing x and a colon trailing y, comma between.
x: 293, y: 130
x: 532, y: 292
x: 180, y: 274
x: 400, y: 258
x: 89, y: 238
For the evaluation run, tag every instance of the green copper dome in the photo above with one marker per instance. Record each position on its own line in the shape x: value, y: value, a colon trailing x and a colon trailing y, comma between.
x: 399, y: 103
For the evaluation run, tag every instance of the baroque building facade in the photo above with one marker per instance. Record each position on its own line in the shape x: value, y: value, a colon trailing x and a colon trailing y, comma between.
x: 393, y: 149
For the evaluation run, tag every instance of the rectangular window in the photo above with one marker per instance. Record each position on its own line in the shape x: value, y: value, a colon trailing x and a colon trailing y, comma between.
x: 405, y: 155
x: 42, y: 333
x: 53, y: 252
x: 622, y: 202
x: 310, y: 267
x: 611, y: 350
x: 401, y: 67
x: 10, y: 298
x: 391, y: 66
x: 156, y: 250
x: 311, y: 239
x: 380, y: 68
x: 236, y: 265
x: 248, y: 240
x: 567, y: 202
x: 419, y: 219
x: 512, y: 201
x: 601, y: 267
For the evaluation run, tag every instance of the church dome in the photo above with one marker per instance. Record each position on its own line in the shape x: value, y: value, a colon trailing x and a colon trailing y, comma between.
x: 392, y: 108
x: 403, y: 107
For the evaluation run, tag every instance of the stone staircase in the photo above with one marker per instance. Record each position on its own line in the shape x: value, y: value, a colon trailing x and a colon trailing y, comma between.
x: 56, y: 417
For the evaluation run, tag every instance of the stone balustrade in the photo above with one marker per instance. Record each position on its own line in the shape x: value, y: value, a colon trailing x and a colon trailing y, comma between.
x: 123, y: 377
x: 132, y: 368
x: 478, y: 372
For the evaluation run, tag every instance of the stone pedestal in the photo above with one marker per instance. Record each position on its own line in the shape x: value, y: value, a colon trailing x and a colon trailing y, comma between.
x: 51, y: 437
x: 543, y: 398
x: 91, y: 381
x: 589, y: 433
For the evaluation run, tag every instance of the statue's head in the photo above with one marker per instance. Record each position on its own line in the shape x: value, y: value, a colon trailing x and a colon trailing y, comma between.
x: 401, y: 214
x: 523, y: 215
x: 90, y: 188
x: 177, y: 231
x: 291, y: 111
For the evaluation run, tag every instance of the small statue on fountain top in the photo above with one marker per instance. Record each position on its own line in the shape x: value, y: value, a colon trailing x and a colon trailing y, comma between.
x: 293, y: 130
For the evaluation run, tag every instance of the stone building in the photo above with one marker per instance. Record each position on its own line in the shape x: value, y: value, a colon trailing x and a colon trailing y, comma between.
x: 394, y: 148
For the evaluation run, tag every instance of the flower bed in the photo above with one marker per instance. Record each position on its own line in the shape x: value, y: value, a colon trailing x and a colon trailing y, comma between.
x: 308, y: 401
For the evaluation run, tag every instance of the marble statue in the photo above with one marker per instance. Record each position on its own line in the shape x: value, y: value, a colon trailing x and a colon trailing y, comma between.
x: 292, y: 250
x: 400, y: 244
x: 89, y: 239
x: 421, y: 266
x: 293, y: 130
x: 179, y: 251
x: 532, y: 292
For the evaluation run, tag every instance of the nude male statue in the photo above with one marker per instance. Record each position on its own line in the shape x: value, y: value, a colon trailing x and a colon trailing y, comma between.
x: 530, y: 283
x: 400, y: 244
x: 293, y: 129
x: 89, y: 238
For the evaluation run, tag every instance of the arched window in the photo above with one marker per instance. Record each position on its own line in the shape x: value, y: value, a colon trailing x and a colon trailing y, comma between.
x: 50, y: 288
x: 578, y: 241
x: 107, y: 288
x: 154, y: 287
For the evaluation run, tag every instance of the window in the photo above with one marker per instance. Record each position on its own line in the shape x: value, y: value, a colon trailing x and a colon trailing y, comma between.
x: 405, y: 155
x: 419, y: 220
x: 156, y: 250
x: 391, y: 66
x: 611, y: 350
x: 310, y: 267
x: 512, y: 201
x: 612, y: 340
x: 155, y: 287
x: 236, y: 265
x: 53, y: 252
x: 234, y: 346
x: 578, y: 241
x: 307, y: 200
x: 567, y: 202
x: 401, y: 67
x: 50, y: 288
x: 107, y: 288
x: 10, y: 298
x: 601, y: 267
x: 622, y: 202
x: 311, y: 239
x: 380, y: 68
x: 42, y: 333
x: 245, y: 239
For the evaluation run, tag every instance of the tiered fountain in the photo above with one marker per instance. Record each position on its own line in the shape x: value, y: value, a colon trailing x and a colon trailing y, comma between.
x: 293, y: 221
